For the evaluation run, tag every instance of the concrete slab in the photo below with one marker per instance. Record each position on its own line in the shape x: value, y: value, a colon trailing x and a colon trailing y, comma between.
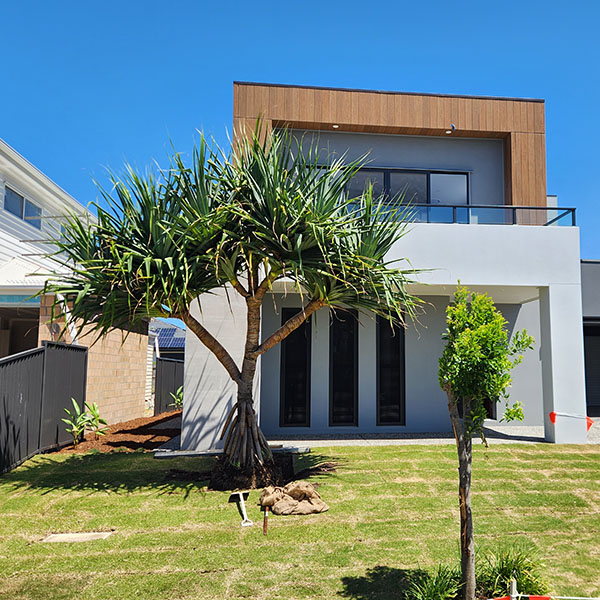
x: 88, y: 536
x: 496, y: 434
x: 162, y: 453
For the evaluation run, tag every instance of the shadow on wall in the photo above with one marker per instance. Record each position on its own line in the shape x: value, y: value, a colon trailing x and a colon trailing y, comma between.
x: 381, y: 583
x: 204, y: 416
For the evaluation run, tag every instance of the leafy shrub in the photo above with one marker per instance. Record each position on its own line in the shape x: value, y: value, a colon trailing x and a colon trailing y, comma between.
x: 177, y: 398
x: 76, y: 422
x: 443, y: 584
x: 498, y: 567
x: 95, y: 423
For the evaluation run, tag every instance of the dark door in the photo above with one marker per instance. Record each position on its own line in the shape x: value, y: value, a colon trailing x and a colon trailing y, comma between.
x: 295, y: 374
x: 591, y: 340
x: 343, y: 369
x: 390, y: 374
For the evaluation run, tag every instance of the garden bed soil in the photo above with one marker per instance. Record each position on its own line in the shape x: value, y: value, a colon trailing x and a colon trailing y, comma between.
x: 146, y: 433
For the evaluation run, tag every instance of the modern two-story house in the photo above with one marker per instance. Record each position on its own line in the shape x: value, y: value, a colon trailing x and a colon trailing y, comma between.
x: 31, y: 208
x: 475, y: 170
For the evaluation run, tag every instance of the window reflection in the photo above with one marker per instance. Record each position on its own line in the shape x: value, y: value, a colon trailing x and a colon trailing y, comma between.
x: 362, y: 180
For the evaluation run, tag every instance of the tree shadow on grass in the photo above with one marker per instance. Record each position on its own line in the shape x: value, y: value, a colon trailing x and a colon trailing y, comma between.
x: 309, y: 465
x: 381, y: 583
x: 127, y: 472
x: 114, y: 472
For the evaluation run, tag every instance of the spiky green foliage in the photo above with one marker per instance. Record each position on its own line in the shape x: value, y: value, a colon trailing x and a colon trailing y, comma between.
x: 161, y: 240
x: 272, y: 210
x: 443, y: 584
x: 521, y: 563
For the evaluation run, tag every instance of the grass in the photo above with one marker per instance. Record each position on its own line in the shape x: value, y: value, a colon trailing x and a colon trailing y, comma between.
x: 393, y: 511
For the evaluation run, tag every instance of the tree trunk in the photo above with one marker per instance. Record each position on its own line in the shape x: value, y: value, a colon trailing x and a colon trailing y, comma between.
x: 245, y: 444
x: 247, y: 447
x: 465, y: 454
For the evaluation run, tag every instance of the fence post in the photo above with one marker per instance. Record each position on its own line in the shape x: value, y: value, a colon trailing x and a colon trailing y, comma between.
x: 514, y: 594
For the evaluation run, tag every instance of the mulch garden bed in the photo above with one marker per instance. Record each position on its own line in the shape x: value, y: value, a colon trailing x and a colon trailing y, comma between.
x: 137, y: 434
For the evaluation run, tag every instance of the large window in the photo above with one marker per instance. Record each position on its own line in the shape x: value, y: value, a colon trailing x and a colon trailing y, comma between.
x: 390, y: 374
x: 417, y: 187
x: 19, y: 206
x: 343, y: 369
x: 295, y: 374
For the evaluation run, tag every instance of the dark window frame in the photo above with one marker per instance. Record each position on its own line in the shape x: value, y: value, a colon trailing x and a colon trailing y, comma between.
x: 24, y: 203
x: 387, y: 171
x: 402, y: 423
x: 282, y: 372
x: 353, y: 315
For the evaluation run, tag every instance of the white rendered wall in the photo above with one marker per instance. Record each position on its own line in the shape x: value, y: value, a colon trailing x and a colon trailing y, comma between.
x: 426, y: 405
x: 209, y: 392
x: 516, y: 265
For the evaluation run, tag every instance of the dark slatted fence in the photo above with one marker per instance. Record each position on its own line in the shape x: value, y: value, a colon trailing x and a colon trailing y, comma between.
x: 35, y: 388
x: 169, y: 378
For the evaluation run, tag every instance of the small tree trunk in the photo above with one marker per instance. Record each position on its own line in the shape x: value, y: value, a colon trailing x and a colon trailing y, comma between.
x: 465, y: 454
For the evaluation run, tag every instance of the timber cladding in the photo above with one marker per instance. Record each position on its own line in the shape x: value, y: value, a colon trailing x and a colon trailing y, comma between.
x: 519, y: 122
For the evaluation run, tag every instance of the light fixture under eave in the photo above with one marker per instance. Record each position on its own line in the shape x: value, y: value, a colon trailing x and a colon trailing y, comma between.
x: 451, y: 130
x: 336, y: 126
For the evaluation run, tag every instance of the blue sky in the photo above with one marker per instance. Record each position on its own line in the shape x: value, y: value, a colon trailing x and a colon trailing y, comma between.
x: 89, y: 85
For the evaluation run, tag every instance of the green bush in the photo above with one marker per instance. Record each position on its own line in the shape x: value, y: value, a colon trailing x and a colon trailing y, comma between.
x: 76, y: 422
x: 95, y: 423
x: 443, y: 584
x: 177, y: 398
x: 496, y: 568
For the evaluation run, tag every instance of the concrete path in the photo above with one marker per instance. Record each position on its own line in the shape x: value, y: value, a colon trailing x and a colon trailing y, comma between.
x: 496, y: 434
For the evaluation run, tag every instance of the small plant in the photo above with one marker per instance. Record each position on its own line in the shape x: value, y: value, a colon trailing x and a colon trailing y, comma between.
x: 443, y: 584
x: 95, y: 423
x: 500, y: 566
x: 76, y: 422
x: 177, y: 398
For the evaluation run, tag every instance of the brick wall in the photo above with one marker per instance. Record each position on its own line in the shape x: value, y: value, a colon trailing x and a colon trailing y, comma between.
x: 116, y: 378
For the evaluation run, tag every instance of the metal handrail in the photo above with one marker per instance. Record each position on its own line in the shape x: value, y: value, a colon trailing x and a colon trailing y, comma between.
x: 514, y: 209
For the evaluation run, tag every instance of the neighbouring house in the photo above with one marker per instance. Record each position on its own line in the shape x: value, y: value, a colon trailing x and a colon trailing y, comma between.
x: 31, y: 207
x: 166, y: 340
x: 475, y: 171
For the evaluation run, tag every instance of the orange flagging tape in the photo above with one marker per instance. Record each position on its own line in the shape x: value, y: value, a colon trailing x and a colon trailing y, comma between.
x: 553, y: 416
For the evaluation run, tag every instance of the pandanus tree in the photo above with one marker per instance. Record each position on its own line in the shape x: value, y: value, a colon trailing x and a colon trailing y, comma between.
x: 270, y: 210
x: 474, y: 369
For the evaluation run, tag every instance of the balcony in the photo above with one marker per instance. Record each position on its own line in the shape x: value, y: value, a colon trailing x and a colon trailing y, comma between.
x: 485, y: 214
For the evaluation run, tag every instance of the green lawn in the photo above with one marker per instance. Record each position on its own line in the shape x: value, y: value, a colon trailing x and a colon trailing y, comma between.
x: 392, y: 510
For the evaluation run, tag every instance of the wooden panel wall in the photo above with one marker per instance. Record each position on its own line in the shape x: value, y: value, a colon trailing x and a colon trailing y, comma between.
x: 519, y: 122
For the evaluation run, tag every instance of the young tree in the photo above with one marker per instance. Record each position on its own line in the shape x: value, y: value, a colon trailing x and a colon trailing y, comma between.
x: 475, y: 366
x: 240, y: 222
